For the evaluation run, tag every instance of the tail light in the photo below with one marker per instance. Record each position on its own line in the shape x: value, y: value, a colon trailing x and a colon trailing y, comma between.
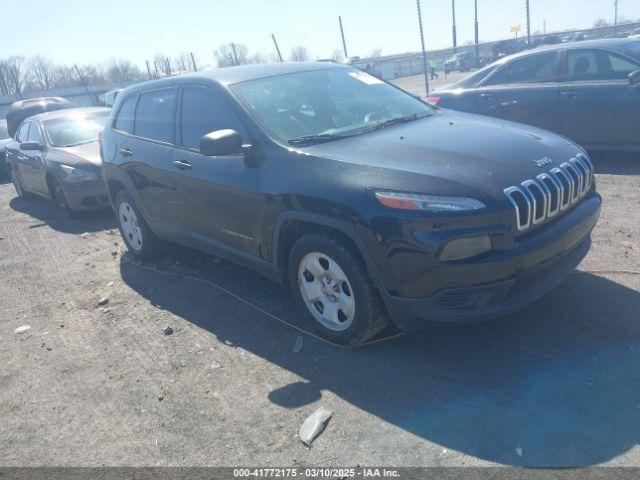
x: 433, y: 100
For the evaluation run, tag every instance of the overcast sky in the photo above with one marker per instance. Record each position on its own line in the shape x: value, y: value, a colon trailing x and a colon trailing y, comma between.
x: 92, y: 31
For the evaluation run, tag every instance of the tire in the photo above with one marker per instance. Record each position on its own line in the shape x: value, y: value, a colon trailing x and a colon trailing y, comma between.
x: 135, y: 232
x: 59, y: 198
x: 348, y: 309
x: 20, y: 191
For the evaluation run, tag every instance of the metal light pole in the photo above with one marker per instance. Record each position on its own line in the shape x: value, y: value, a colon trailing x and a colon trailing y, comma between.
x: 528, y: 24
x: 277, y: 47
x: 344, y: 43
x: 453, y: 28
x: 615, y: 17
x: 475, y: 25
x: 424, y: 52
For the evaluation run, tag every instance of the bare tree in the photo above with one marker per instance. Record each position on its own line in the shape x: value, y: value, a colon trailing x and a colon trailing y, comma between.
x: 43, y: 72
x: 337, y: 56
x: 299, y: 54
x: 232, y: 54
x: 16, y: 74
x: 122, y: 71
x: 600, y: 22
x: 376, y: 53
x: 183, y: 62
x: 162, y: 64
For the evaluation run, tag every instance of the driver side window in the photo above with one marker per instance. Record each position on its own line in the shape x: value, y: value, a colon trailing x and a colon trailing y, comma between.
x: 34, y: 134
x: 23, y: 133
x: 202, y: 112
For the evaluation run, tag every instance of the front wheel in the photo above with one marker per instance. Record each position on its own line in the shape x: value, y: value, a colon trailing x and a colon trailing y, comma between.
x: 135, y: 232
x: 333, y: 290
x: 59, y: 197
x: 20, y: 191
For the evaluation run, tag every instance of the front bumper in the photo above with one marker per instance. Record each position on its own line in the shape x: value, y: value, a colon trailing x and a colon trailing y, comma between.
x: 90, y: 195
x: 506, y: 282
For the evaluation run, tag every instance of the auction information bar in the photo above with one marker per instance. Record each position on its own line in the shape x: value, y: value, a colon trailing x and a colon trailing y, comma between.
x: 325, y: 473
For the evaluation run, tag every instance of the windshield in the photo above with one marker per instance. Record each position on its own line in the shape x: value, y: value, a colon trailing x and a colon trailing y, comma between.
x: 75, y: 129
x: 4, y: 134
x: 331, y: 103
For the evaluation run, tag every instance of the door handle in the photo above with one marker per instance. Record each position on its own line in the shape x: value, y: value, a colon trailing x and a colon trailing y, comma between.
x: 125, y: 152
x: 488, y: 96
x: 569, y: 93
x: 181, y: 165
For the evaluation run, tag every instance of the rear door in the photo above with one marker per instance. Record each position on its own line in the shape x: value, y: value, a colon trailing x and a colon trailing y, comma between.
x: 523, y: 90
x: 217, y: 199
x: 145, y: 128
x: 600, y: 107
x: 35, y: 169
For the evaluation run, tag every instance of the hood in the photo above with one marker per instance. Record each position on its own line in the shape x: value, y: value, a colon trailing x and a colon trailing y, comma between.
x: 482, y: 153
x: 86, y: 155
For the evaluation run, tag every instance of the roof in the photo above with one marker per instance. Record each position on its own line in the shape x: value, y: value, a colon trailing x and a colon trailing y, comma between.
x: 242, y: 73
x: 615, y: 43
x: 67, y: 112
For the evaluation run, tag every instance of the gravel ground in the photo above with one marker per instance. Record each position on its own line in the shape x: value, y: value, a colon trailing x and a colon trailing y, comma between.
x: 556, y: 385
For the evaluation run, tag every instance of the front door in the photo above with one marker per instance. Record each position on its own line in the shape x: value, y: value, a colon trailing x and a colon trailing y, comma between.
x: 218, y: 200
x: 600, y: 107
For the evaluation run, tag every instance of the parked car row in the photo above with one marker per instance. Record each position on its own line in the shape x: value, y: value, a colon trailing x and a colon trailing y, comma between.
x: 375, y: 207
x: 587, y: 91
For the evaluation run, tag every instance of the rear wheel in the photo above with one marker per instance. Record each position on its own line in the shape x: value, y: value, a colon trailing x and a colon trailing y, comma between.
x: 140, y: 240
x: 333, y: 290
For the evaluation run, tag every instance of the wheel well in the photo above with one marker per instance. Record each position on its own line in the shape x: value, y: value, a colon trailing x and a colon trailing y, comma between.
x: 291, y: 230
x: 114, y: 187
x: 49, y: 178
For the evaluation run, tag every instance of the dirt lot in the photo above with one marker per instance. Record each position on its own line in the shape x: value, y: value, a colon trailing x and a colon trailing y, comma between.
x: 557, y: 384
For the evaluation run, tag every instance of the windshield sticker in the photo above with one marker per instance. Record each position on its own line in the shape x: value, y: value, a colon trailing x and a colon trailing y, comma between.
x: 366, y: 78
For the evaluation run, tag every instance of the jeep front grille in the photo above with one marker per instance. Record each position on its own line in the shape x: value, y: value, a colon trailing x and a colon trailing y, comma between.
x: 536, y: 200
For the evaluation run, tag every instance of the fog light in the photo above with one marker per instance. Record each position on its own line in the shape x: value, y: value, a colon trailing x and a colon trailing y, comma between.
x: 465, y: 247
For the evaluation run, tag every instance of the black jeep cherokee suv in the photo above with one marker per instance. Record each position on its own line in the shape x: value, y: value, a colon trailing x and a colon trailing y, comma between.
x: 370, y: 203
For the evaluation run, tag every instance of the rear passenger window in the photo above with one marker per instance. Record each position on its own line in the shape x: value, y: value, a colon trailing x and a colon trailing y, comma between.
x: 203, y: 111
x: 124, y: 120
x: 537, y: 68
x: 155, y: 115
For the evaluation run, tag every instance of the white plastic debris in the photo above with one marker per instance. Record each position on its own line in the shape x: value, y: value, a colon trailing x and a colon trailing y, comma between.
x: 23, y: 329
x: 297, y: 346
x: 314, y: 425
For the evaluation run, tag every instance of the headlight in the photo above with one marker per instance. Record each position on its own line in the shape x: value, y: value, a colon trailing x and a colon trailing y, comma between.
x: 431, y: 203
x: 72, y: 174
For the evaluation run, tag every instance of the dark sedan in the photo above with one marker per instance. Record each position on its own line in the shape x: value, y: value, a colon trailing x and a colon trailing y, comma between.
x: 587, y: 91
x: 4, y: 139
x: 56, y: 155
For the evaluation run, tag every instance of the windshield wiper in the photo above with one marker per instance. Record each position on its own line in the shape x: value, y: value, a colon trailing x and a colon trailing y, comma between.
x: 394, y: 121
x: 313, y: 139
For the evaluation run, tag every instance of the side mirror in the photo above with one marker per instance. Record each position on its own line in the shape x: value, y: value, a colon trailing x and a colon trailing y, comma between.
x: 221, y: 142
x: 31, y: 146
x: 634, y: 78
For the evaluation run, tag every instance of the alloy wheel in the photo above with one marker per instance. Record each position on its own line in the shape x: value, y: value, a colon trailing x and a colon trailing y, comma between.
x: 326, y: 291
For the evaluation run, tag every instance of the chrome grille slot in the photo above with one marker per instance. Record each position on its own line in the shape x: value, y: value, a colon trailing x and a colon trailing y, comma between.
x: 565, y: 181
x: 522, y: 205
x: 575, y: 180
x: 555, y: 191
x: 536, y: 200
